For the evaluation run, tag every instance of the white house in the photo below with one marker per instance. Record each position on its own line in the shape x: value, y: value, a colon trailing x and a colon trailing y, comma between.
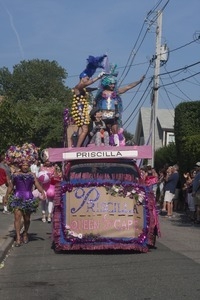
x: 165, y: 127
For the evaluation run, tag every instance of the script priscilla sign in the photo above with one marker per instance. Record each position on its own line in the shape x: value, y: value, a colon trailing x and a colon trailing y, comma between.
x: 92, y: 210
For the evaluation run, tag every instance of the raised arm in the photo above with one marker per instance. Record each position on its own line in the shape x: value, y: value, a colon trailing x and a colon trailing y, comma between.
x: 86, y: 81
x: 124, y: 89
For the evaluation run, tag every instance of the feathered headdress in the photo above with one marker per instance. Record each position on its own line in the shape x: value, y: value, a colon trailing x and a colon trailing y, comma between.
x: 93, y: 64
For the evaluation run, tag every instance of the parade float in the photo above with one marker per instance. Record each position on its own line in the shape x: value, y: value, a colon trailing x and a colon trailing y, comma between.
x: 102, y: 203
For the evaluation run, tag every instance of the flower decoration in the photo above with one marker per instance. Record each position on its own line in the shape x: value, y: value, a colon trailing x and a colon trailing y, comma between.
x: 66, y: 117
x: 30, y: 205
x: 17, y: 154
x: 127, y: 191
x: 106, y: 96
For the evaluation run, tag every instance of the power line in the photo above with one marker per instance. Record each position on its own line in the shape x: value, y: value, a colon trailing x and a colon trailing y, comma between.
x: 177, y: 70
x: 139, y: 101
x: 134, y: 52
x: 167, y: 95
x: 136, y: 111
x: 183, y: 79
x: 177, y: 86
x: 136, y: 91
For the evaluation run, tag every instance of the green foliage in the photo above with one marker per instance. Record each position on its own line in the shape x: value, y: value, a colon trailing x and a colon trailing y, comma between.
x: 129, y: 137
x: 165, y: 155
x: 34, y: 100
x: 5, y: 81
x: 186, y: 150
x: 37, y: 79
x: 187, y: 134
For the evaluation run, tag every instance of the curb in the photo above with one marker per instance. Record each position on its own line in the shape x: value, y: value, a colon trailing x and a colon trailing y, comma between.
x: 6, y: 243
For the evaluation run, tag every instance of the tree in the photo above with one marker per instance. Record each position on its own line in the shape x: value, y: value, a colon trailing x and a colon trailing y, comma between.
x: 129, y: 137
x: 36, y: 78
x: 165, y: 155
x: 187, y: 136
x: 35, y: 97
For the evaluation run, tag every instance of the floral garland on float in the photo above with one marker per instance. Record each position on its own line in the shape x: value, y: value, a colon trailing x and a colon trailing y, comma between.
x: 76, y: 241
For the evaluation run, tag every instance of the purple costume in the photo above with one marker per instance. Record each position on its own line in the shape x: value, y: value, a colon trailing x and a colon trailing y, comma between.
x: 22, y: 198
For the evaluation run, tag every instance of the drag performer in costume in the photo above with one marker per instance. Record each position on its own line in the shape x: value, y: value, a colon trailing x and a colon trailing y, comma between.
x: 80, y: 110
x: 49, y: 188
x: 108, y: 100
x: 19, y: 194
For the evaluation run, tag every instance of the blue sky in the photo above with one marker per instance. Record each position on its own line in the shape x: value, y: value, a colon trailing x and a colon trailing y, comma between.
x: 69, y: 31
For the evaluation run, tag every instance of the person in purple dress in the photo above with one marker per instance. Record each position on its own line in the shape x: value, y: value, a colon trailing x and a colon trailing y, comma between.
x: 21, y: 200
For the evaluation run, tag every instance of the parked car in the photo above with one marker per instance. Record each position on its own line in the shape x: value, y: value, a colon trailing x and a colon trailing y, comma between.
x: 102, y: 202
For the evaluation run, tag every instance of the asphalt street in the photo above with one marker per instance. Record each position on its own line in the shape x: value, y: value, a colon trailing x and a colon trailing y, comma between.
x: 171, y: 271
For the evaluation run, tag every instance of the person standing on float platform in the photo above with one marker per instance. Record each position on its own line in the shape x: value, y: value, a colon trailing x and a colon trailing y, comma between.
x: 108, y: 100
x: 80, y: 109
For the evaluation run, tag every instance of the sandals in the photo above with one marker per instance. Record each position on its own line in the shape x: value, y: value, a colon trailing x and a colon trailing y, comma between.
x: 43, y: 218
x: 17, y: 243
x: 25, y: 238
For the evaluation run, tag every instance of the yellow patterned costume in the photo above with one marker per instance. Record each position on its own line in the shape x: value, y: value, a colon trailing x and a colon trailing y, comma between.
x: 80, y: 109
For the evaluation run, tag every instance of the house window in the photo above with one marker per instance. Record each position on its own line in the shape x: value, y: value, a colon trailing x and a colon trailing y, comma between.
x: 170, y: 138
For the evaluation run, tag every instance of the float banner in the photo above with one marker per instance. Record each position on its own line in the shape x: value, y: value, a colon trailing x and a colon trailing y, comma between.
x: 92, y: 211
x: 99, y: 154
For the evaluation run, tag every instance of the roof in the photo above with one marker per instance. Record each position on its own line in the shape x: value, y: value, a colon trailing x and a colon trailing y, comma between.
x: 165, y: 118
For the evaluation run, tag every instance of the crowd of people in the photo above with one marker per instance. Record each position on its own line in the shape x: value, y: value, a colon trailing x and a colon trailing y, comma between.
x: 26, y: 185
x: 174, y: 193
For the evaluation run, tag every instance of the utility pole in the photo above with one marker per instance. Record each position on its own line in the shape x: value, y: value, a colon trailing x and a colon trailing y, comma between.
x: 156, y: 84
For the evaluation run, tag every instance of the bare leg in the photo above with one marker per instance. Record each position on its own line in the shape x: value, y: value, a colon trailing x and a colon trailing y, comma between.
x: 43, y: 206
x: 106, y: 138
x: 164, y: 206
x: 82, y: 136
x: 27, y: 217
x: 115, y: 133
x: 17, y: 224
x: 198, y: 213
x: 50, y: 209
x: 98, y: 139
x: 169, y: 208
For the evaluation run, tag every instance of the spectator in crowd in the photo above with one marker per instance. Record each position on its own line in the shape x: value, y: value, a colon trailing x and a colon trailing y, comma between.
x: 4, y: 183
x: 160, y: 186
x: 171, y: 181
x: 187, y: 191
x: 176, y: 200
x: 4, y: 180
x: 196, y: 192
